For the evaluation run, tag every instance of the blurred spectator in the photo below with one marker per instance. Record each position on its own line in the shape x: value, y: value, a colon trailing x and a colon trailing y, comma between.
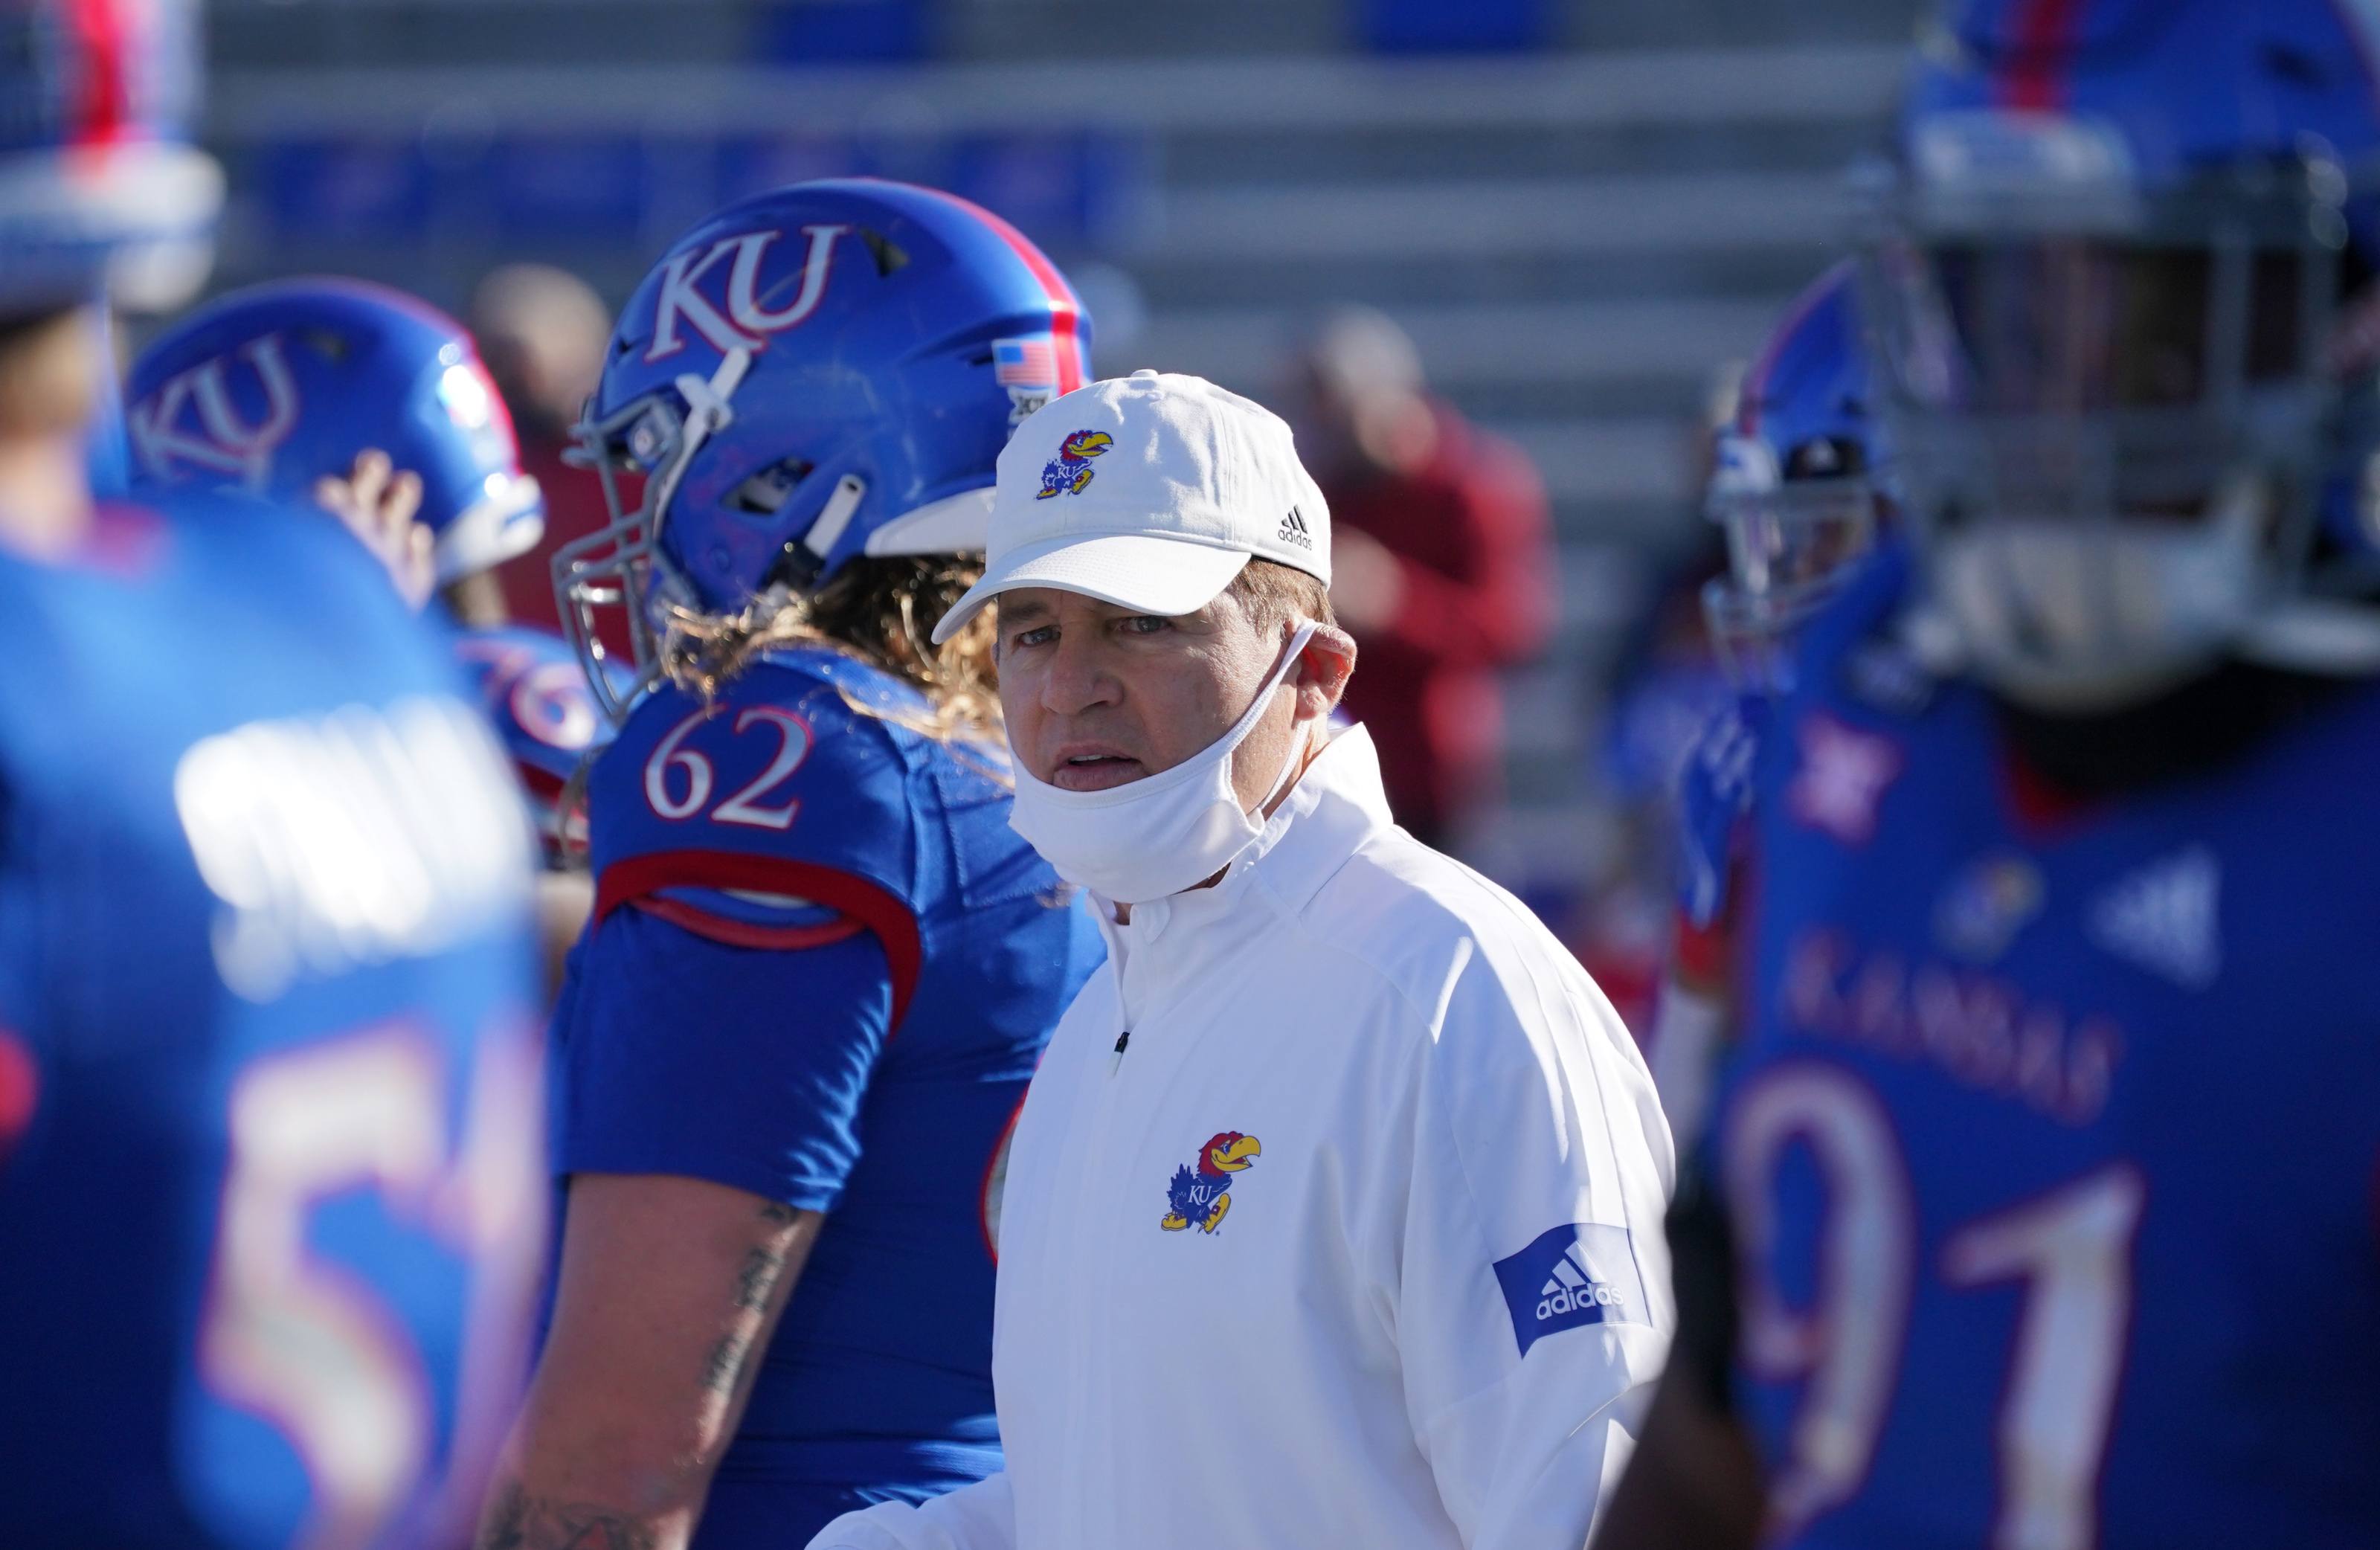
x: 1442, y: 563
x: 543, y: 333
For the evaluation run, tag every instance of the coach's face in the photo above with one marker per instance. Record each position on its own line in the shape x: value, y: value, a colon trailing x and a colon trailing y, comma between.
x: 1098, y: 695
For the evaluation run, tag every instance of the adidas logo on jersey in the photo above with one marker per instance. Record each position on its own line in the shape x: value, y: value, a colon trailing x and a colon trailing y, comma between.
x: 1293, y: 529
x: 2164, y: 917
x: 1572, y: 1288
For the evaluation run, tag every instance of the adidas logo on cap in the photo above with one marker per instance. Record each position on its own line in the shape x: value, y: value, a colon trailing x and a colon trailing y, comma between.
x: 1292, y: 529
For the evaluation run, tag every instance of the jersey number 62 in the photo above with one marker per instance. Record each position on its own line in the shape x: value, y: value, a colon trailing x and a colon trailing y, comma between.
x: 679, y: 781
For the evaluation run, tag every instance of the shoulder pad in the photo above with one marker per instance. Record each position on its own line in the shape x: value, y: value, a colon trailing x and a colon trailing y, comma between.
x: 776, y: 815
x: 1854, y: 645
x: 535, y: 692
x: 865, y: 690
x: 780, y: 769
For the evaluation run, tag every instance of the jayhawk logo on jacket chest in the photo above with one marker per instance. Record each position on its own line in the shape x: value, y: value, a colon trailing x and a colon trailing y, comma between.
x: 1199, y: 1196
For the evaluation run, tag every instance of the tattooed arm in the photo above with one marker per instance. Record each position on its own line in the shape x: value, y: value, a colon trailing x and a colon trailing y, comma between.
x: 670, y: 1289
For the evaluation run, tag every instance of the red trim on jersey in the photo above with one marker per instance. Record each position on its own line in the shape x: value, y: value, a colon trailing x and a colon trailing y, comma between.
x: 1711, y: 960
x: 1066, y: 308
x: 983, y: 1185
x: 101, y: 113
x: 1704, y: 955
x: 126, y: 542
x: 2036, y: 803
x: 638, y: 878
x: 543, y: 784
x: 2043, y: 48
x: 744, y: 933
x: 20, y: 1089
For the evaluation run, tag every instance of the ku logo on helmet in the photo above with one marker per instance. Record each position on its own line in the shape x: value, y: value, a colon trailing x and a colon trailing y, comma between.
x: 1071, y: 469
x: 748, y: 320
x: 217, y: 436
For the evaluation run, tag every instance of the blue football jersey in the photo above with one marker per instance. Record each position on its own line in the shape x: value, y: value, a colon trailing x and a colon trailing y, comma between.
x: 271, y: 1173
x: 2050, y: 1152
x: 534, y: 694
x: 822, y: 969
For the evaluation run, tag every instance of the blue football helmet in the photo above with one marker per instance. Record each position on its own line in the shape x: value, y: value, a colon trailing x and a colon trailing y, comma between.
x: 103, y: 191
x: 1797, y: 482
x: 275, y: 386
x: 2106, y: 277
x: 821, y: 372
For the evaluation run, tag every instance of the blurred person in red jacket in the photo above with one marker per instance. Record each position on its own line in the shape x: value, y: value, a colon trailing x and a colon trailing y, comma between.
x: 1443, y: 562
x: 542, y: 331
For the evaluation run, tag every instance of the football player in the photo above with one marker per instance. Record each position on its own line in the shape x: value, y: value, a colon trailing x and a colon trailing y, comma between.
x: 1797, y: 488
x: 2043, y: 1213
x: 271, y: 1188
x: 822, y: 966
x: 282, y: 386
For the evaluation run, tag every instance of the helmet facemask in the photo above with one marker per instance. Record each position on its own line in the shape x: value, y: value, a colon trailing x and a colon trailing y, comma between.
x: 2113, y: 409
x: 1791, y: 537
x: 621, y: 565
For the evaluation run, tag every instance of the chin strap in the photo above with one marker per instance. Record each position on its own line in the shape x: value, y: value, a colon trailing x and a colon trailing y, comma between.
x: 804, y: 560
x: 834, y: 516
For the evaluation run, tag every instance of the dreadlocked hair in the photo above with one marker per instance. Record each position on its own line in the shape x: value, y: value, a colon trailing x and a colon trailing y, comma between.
x: 878, y: 609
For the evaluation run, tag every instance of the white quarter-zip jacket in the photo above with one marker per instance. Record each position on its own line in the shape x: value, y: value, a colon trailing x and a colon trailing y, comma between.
x: 1334, y: 1218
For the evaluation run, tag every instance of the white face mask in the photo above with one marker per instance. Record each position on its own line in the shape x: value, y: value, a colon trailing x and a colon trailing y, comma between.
x: 1165, y: 833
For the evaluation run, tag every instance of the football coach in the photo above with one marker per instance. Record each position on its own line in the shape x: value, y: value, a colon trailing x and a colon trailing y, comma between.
x: 1333, y: 1215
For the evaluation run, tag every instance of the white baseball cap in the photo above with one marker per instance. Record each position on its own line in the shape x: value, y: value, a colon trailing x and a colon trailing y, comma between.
x: 1151, y: 492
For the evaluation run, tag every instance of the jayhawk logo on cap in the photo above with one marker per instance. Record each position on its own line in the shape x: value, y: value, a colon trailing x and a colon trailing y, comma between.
x: 1199, y: 1197
x: 1071, y: 469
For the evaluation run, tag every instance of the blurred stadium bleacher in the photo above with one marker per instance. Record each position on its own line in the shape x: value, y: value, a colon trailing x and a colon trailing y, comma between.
x: 1577, y: 232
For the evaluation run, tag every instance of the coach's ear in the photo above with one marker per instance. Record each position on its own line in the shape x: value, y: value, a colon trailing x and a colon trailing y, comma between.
x: 1322, y: 670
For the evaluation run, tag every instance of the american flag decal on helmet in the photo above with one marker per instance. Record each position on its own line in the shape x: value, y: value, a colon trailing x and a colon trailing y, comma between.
x: 1024, y: 362
x: 1029, y: 369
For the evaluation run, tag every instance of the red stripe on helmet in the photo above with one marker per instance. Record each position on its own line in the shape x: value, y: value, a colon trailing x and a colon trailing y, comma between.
x: 101, y: 108
x: 2037, y: 77
x: 1065, y: 308
x: 1069, y: 348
